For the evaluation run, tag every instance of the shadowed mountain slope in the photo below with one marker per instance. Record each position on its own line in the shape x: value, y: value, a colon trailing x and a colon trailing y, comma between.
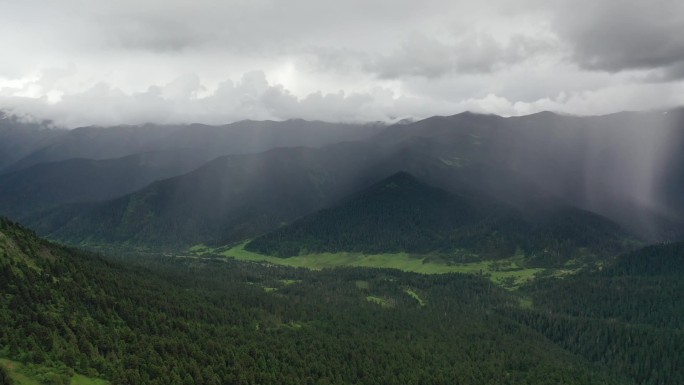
x: 19, y: 139
x: 33, y: 190
x: 235, y: 138
x: 403, y: 214
x: 607, y: 165
x: 226, y: 200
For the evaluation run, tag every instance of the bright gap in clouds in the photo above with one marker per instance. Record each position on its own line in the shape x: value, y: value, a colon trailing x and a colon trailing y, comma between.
x: 286, y: 76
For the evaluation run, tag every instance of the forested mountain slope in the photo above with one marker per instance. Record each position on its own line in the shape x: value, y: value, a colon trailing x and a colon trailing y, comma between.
x: 194, y: 321
x: 228, y: 199
x: 628, y: 314
x: 30, y: 191
x: 625, y: 166
x: 404, y: 214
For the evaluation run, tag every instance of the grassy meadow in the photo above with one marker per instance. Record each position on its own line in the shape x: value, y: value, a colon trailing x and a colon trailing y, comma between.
x: 508, y: 273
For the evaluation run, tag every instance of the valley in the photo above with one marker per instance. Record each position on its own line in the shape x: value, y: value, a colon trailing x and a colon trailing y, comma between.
x: 506, y: 273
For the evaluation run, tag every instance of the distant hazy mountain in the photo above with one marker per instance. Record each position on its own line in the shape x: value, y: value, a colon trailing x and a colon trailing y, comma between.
x: 29, y: 191
x: 94, y: 163
x: 229, y: 199
x: 241, y: 196
x: 18, y: 139
x: 236, y: 138
x: 403, y: 214
x: 95, y: 143
x: 626, y: 167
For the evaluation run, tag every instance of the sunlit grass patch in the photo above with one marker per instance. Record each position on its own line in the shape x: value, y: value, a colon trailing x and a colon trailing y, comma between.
x: 509, y: 273
x: 38, y: 375
x: 415, y: 296
x: 384, y: 302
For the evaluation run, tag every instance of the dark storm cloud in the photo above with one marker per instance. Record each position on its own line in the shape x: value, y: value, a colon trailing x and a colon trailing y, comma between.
x: 673, y: 72
x: 476, y: 53
x: 150, y: 34
x: 617, y: 35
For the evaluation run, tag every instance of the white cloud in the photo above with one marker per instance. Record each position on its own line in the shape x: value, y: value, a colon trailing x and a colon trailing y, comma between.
x: 253, y: 97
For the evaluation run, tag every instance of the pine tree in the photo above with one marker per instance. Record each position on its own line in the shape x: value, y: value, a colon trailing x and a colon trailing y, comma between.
x: 4, y: 377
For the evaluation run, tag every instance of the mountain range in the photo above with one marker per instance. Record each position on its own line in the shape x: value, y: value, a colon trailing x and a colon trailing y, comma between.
x: 221, y: 185
x: 44, y: 145
x: 548, y: 247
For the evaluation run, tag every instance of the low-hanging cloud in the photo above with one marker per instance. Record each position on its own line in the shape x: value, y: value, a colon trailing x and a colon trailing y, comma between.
x: 251, y: 97
x: 186, y: 100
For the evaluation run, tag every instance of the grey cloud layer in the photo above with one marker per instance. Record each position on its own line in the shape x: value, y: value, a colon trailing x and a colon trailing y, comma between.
x: 616, y: 35
x: 153, y: 60
x: 480, y: 53
x: 253, y: 97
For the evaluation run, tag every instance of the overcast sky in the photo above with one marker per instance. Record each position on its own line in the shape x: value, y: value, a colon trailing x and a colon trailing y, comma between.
x: 216, y: 61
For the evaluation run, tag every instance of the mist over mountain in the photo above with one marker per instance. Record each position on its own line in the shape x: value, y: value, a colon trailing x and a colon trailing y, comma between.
x: 50, y: 167
x: 32, y: 190
x: 625, y: 167
x: 18, y: 139
x: 228, y: 199
x: 236, y: 138
x: 403, y: 214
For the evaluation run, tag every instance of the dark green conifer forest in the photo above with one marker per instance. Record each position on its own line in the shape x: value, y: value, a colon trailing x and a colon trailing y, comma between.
x: 170, y: 320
